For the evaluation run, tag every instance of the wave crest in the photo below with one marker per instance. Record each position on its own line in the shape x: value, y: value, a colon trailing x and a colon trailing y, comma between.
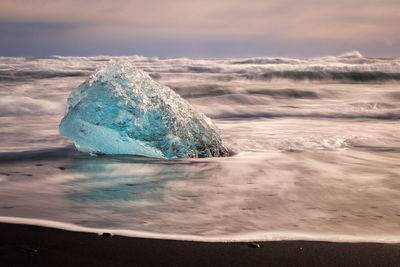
x: 368, y: 76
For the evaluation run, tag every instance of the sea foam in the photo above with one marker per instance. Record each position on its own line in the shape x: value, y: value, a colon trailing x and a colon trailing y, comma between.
x: 244, y: 237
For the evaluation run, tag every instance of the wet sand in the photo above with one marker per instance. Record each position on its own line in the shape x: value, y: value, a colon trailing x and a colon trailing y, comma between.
x: 25, y: 245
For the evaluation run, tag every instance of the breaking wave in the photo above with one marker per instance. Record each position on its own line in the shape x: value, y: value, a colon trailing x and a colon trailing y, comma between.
x: 341, y: 116
x: 352, y: 76
x: 24, y: 75
x: 350, y: 66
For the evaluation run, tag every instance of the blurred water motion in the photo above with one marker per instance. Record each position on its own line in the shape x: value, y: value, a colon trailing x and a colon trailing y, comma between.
x: 311, y: 156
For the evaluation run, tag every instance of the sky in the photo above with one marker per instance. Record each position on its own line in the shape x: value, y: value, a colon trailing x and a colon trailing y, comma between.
x: 206, y: 28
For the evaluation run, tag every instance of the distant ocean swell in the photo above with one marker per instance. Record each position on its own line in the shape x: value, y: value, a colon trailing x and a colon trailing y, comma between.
x: 351, y: 76
x: 381, y: 116
x: 347, y: 67
x: 368, y: 76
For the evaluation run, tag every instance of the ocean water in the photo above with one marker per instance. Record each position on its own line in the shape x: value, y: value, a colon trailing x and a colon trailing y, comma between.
x: 316, y: 146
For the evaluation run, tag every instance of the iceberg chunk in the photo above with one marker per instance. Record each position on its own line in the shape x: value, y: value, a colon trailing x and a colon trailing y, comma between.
x: 121, y: 110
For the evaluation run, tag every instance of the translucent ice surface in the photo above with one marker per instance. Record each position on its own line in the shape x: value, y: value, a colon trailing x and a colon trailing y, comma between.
x: 121, y: 110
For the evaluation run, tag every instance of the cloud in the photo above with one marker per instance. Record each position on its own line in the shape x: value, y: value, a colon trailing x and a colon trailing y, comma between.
x: 297, y: 19
x: 354, y: 22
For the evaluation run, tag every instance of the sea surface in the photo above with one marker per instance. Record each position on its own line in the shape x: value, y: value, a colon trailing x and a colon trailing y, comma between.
x: 316, y: 146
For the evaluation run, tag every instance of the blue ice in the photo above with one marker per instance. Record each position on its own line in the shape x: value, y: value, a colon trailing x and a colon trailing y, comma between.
x: 121, y: 110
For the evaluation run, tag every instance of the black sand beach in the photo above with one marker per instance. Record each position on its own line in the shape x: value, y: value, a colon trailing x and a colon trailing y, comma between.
x: 25, y: 245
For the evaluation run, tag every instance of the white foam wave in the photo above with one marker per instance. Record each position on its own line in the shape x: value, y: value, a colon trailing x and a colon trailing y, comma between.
x: 245, y: 237
x: 23, y: 105
x: 352, y: 54
x: 347, y: 62
x: 314, y: 143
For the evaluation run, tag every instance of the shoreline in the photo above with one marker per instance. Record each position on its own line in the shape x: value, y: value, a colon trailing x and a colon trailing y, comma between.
x: 258, y: 236
x: 28, y: 245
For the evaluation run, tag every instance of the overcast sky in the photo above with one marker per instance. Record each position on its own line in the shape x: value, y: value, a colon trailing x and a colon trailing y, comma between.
x: 206, y: 28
